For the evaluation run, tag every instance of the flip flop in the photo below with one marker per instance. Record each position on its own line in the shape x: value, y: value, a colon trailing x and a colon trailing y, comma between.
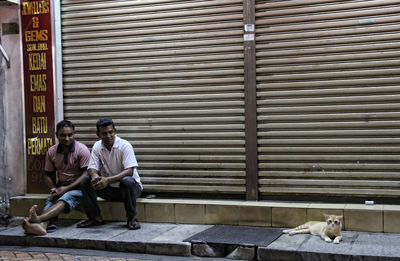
x: 90, y: 223
x: 133, y: 224
x: 51, y: 228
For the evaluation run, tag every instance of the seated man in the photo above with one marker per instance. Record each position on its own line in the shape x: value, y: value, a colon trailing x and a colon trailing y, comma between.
x: 112, y: 175
x: 66, y: 163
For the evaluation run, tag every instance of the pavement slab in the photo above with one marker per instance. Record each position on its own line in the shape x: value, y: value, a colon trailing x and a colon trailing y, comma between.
x: 148, y: 232
x: 181, y: 232
x: 354, y: 246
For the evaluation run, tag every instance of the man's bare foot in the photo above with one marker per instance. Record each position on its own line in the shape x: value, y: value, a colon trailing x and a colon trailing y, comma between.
x: 33, y: 217
x: 33, y: 228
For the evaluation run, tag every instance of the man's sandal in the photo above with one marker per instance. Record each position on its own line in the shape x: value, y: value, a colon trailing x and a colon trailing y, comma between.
x: 133, y: 224
x: 90, y: 223
x: 51, y: 228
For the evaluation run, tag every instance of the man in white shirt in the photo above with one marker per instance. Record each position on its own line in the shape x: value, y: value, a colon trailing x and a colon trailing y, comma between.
x: 112, y: 175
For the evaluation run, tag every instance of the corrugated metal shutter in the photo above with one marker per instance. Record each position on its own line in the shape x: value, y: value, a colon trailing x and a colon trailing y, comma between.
x: 328, y: 97
x: 170, y: 73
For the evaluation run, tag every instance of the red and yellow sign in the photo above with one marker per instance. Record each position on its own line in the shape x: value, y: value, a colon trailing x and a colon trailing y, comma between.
x: 39, y: 91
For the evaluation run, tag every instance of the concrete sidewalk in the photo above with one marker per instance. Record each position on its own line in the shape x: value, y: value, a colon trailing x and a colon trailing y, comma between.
x: 168, y: 239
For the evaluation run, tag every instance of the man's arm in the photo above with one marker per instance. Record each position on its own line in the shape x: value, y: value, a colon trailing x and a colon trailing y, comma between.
x: 103, y: 182
x: 93, y: 173
x: 50, y: 173
x: 120, y: 176
x: 77, y: 182
x: 94, y: 165
x: 64, y: 189
x: 48, y: 179
x: 96, y: 179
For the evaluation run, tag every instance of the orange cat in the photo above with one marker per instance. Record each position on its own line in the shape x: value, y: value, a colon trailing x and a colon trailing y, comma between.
x: 331, y: 229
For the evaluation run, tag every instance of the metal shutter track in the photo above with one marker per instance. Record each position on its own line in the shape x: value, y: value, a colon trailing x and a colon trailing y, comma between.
x: 328, y: 97
x: 170, y: 74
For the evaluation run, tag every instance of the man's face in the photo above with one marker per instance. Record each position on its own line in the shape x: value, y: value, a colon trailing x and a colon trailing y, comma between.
x: 65, y: 136
x: 107, y: 135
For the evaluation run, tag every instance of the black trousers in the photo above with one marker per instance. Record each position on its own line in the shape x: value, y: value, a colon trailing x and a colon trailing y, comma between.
x: 128, y: 191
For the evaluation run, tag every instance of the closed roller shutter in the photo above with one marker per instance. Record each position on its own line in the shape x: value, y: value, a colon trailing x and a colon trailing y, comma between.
x: 170, y: 74
x: 328, y: 97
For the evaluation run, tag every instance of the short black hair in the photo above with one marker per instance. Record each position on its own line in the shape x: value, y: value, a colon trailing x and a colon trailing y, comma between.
x: 104, y: 122
x: 64, y: 123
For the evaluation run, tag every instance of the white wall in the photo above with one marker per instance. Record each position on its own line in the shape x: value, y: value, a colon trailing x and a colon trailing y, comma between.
x: 12, y: 173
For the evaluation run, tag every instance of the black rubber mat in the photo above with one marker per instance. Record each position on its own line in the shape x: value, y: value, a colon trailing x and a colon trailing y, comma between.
x: 237, y: 235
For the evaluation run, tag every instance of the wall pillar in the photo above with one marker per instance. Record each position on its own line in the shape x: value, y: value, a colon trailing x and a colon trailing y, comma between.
x: 250, y: 99
x: 12, y: 172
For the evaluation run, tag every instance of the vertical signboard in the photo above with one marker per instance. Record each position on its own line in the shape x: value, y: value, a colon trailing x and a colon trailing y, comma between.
x: 39, y: 91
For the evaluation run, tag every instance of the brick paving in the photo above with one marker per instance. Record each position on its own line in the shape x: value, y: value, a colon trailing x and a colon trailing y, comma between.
x: 40, y: 256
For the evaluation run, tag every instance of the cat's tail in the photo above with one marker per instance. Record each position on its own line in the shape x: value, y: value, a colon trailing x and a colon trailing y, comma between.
x: 301, y: 227
x: 287, y: 231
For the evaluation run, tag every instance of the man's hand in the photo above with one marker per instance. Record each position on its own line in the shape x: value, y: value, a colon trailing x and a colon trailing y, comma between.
x: 53, y: 191
x: 94, y: 179
x: 100, y: 183
x: 58, y: 192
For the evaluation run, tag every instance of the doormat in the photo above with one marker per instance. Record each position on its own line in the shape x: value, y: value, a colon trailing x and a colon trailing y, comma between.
x: 237, y: 235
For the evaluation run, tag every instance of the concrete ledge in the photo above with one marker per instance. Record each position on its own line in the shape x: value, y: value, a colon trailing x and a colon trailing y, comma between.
x: 173, y: 249
x: 168, y: 239
x: 359, y: 217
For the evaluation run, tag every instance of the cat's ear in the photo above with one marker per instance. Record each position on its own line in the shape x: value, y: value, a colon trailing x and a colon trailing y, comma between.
x: 340, y: 218
x: 326, y: 216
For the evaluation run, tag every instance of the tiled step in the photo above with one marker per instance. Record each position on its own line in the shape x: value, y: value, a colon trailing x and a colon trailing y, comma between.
x: 357, y: 217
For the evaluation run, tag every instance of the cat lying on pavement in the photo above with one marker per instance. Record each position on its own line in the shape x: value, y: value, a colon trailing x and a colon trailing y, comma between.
x: 331, y: 229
